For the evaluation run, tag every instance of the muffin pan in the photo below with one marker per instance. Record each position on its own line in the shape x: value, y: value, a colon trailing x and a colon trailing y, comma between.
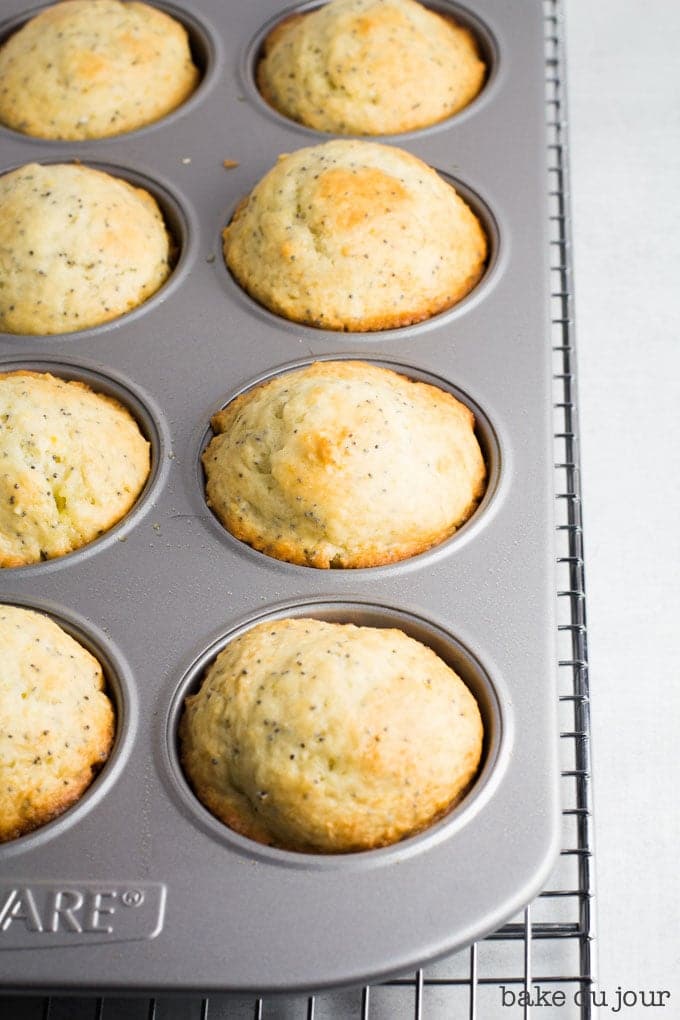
x: 138, y: 887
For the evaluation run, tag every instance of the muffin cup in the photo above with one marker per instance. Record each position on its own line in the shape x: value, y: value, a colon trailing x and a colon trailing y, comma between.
x: 485, y: 39
x: 151, y: 424
x: 178, y: 221
x: 204, y: 45
x: 485, y: 434
x: 497, y: 726
x: 493, y: 267
x: 120, y: 689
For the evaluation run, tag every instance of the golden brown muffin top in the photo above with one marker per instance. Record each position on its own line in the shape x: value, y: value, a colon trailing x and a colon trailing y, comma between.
x: 328, y: 737
x: 56, y: 721
x: 353, y: 235
x: 343, y: 464
x: 72, y: 463
x: 94, y: 68
x: 370, y: 67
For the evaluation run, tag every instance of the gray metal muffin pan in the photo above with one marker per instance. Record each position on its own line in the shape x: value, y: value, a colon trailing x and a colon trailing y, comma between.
x: 138, y: 887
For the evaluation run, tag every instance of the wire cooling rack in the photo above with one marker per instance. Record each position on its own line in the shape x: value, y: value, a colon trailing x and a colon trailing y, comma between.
x: 544, y: 955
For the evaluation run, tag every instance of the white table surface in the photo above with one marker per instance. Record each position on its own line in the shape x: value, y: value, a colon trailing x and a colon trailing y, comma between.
x: 624, y: 95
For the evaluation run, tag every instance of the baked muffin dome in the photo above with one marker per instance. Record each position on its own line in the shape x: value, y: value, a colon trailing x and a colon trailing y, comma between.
x: 353, y: 235
x: 343, y: 464
x: 72, y: 463
x: 370, y: 67
x: 78, y: 247
x: 94, y: 68
x: 56, y: 721
x: 328, y: 737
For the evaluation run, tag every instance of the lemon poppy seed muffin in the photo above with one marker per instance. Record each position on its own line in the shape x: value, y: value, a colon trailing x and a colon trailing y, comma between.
x: 343, y: 464
x: 370, y: 67
x: 94, y: 68
x: 56, y: 720
x: 353, y: 235
x: 328, y: 737
x: 78, y: 247
x: 72, y: 463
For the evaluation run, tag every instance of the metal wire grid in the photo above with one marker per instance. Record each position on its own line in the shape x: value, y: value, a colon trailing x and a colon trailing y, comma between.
x: 550, y: 945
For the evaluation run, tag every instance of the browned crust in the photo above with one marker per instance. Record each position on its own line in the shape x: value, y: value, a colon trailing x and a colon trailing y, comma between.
x: 374, y: 324
x: 14, y: 561
x: 246, y: 824
x: 238, y: 814
x: 40, y: 815
x: 290, y: 552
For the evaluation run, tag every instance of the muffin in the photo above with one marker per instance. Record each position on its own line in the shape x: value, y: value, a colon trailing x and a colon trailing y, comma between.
x: 369, y: 67
x: 328, y: 737
x: 72, y: 463
x: 353, y: 235
x: 94, y: 68
x: 343, y: 464
x: 78, y: 247
x: 56, y: 721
